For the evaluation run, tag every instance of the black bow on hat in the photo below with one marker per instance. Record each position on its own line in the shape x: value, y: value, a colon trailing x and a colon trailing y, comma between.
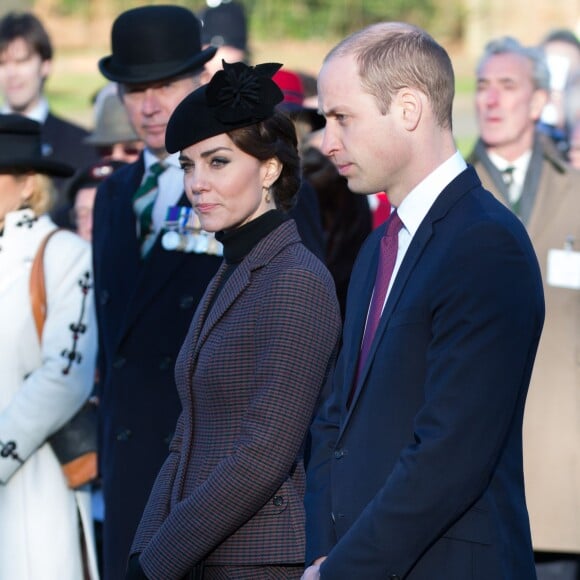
x: 237, y: 96
x: 153, y: 43
x: 21, y: 148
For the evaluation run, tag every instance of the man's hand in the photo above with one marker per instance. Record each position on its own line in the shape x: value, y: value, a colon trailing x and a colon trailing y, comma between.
x: 313, y: 572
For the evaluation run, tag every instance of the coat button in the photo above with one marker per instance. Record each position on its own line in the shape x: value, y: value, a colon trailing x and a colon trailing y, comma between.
x: 186, y: 302
x: 278, y: 500
x: 124, y: 435
x: 104, y: 297
x: 339, y: 453
x: 119, y: 362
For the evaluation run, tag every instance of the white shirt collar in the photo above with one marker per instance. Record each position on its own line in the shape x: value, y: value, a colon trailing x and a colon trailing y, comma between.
x: 418, y: 202
x: 149, y: 159
x: 38, y: 113
x: 520, y: 166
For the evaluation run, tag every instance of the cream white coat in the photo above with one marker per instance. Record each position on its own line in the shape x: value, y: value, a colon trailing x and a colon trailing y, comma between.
x: 39, y: 533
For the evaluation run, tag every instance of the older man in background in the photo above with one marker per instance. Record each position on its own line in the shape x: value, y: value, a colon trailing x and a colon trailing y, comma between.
x: 525, y: 171
x: 147, y: 290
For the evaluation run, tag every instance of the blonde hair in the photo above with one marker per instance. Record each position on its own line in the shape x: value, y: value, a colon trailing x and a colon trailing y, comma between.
x: 43, y: 194
x: 395, y: 55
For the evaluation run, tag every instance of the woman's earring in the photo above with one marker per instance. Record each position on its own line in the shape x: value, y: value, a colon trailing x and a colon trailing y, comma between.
x: 267, y: 197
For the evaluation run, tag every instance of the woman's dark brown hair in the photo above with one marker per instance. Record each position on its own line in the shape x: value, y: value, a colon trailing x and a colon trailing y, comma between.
x: 274, y: 137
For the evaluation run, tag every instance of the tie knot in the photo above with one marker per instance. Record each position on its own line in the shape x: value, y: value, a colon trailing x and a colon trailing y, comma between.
x: 508, y: 175
x: 157, y: 169
x: 394, y: 225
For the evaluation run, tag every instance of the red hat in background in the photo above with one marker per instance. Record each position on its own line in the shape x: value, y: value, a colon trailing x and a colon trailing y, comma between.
x: 291, y: 85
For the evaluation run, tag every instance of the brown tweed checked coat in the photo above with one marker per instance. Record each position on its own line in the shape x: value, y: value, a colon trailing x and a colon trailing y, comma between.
x: 248, y: 376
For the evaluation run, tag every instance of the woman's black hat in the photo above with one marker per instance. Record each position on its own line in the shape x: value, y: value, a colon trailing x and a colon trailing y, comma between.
x: 153, y: 43
x: 21, y: 148
x: 237, y: 96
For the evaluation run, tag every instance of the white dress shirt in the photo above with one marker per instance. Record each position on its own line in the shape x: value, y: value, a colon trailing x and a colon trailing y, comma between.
x: 520, y: 166
x: 418, y: 202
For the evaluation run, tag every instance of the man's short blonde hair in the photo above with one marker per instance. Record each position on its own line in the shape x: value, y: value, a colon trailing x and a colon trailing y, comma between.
x: 395, y: 55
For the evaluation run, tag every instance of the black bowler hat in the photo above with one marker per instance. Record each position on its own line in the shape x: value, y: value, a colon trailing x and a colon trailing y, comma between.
x: 225, y: 25
x: 21, y: 148
x: 153, y: 43
x: 237, y: 96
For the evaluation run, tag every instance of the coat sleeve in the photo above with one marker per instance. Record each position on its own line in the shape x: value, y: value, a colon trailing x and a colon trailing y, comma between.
x: 294, y: 351
x: 52, y: 393
x: 158, y: 507
x: 320, y: 536
x: 485, y: 326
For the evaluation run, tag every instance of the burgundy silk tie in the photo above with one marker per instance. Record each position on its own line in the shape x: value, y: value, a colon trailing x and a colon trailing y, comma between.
x: 387, y: 258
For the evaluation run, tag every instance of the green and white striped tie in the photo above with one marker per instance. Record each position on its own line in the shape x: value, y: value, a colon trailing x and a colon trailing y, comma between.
x: 143, y: 202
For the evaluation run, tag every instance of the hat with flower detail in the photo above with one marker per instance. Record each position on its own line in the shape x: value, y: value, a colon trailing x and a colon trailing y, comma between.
x: 237, y: 96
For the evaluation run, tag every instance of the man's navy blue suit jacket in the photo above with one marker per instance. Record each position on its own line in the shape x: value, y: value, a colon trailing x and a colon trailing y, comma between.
x: 421, y: 477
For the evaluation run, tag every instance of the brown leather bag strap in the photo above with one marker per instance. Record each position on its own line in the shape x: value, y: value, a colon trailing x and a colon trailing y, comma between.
x: 37, y: 287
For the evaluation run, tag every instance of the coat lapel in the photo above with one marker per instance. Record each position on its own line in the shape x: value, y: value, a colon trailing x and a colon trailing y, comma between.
x: 448, y: 197
x: 361, y: 286
x: 153, y: 273
x: 117, y: 249
x: 210, y: 310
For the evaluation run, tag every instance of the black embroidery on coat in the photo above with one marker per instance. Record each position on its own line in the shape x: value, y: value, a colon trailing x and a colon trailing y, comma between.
x: 8, y: 450
x: 26, y: 220
x: 77, y: 328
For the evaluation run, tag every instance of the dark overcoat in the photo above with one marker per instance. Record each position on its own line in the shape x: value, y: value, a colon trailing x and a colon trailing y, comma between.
x: 248, y: 375
x: 144, y: 308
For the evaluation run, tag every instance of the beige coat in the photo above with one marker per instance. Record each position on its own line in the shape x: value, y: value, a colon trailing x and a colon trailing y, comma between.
x: 552, y: 416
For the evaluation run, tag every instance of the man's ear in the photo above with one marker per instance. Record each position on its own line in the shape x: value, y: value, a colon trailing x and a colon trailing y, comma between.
x: 409, y: 103
x: 45, y: 69
x: 539, y: 100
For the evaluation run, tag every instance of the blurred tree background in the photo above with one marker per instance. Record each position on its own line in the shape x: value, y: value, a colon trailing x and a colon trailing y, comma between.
x: 299, y: 19
x: 298, y: 33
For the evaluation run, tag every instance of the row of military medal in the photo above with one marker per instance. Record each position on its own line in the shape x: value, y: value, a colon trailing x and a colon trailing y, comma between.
x: 184, y: 234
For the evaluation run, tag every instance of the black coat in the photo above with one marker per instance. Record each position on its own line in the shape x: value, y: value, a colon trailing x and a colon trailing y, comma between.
x: 144, y: 309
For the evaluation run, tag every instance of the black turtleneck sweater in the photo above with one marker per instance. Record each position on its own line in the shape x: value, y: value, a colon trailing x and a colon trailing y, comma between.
x: 239, y: 243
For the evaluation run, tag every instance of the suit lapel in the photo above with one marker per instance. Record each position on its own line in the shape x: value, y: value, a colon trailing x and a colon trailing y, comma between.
x: 362, y: 287
x: 448, y: 197
x: 420, y: 240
